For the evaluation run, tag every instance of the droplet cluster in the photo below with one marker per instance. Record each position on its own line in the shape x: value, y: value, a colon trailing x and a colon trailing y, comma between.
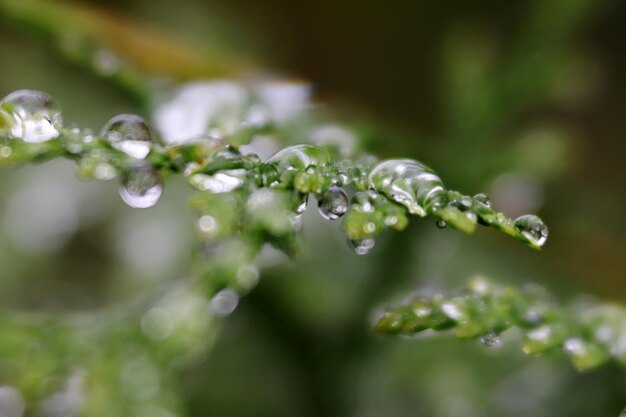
x: 242, y: 194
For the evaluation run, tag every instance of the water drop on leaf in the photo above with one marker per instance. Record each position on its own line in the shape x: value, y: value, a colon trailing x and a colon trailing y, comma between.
x: 130, y: 134
x: 407, y: 182
x: 300, y: 157
x: 333, y: 203
x: 141, y: 186
x: 532, y: 228
x: 441, y: 224
x: 31, y: 115
x: 483, y: 199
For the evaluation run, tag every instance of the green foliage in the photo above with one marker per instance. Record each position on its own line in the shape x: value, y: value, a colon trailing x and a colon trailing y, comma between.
x: 590, y: 333
x: 256, y: 201
x: 245, y: 202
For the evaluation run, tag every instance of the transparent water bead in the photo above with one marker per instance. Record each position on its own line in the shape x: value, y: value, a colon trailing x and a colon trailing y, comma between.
x: 224, y: 302
x: 130, y: 134
x: 300, y: 157
x: 333, y: 203
x: 302, y: 201
x: 483, y: 199
x: 362, y: 246
x: 490, y: 339
x: 221, y: 182
x: 408, y: 182
x: 141, y: 186
x: 31, y: 115
x: 532, y: 228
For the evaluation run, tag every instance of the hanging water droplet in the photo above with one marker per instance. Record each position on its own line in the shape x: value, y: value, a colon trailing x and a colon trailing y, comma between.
x: 31, y: 115
x: 483, y: 199
x: 303, y: 203
x: 441, y: 224
x: 362, y: 246
x: 141, y: 186
x: 130, y: 134
x: 224, y: 302
x: 532, y: 228
x: 408, y: 182
x: 333, y: 203
x: 490, y: 339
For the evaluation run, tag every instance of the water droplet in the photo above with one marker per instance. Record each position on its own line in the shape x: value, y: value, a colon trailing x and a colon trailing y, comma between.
x: 141, y: 186
x: 483, y: 199
x: 441, y: 224
x: 31, y: 115
x: 247, y: 276
x: 490, y: 339
x: 157, y: 323
x: 300, y: 157
x: 407, y: 182
x: 463, y: 203
x: 532, y: 228
x: 333, y: 203
x: 585, y: 355
x: 6, y: 152
x: 207, y: 224
x: 130, y: 134
x: 303, y: 202
x: 222, y: 182
x: 105, y: 62
x: 105, y: 171
x: 224, y: 302
x: 362, y: 246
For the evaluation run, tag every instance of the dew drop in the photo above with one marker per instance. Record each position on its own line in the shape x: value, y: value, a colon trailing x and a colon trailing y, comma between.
x: 207, y: 224
x: 441, y: 224
x: 407, y: 182
x: 221, y: 182
x: 490, y: 339
x: 157, y: 323
x: 333, y: 203
x: 483, y: 199
x: 141, y: 186
x: 303, y: 202
x: 247, y: 276
x: 5, y: 152
x: 31, y: 115
x: 464, y: 203
x: 130, y: 134
x: 532, y: 228
x: 224, y: 302
x: 362, y: 246
x: 299, y: 157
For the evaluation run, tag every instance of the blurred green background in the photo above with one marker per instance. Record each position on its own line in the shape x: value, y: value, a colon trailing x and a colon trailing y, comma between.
x: 522, y: 99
